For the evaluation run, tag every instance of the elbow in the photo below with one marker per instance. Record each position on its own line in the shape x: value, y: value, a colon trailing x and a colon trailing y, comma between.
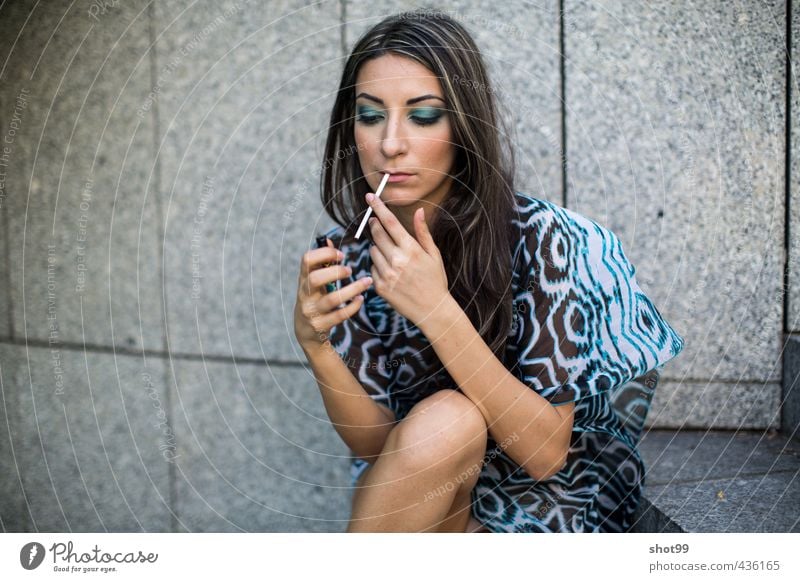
x: 543, y: 471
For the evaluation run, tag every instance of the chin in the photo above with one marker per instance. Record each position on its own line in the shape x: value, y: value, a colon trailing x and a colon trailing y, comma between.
x: 395, y: 200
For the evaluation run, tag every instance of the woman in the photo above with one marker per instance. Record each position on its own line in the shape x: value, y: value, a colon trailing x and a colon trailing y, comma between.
x: 469, y: 355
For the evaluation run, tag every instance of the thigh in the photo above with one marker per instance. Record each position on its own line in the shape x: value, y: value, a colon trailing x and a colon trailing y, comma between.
x: 474, y: 526
x: 359, y: 486
x: 459, y: 518
x: 460, y: 514
x: 442, y: 408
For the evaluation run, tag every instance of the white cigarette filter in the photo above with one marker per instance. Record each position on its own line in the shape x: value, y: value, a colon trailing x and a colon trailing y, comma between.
x: 369, y: 210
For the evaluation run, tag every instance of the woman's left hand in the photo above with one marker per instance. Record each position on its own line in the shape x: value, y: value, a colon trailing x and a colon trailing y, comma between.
x: 407, y: 272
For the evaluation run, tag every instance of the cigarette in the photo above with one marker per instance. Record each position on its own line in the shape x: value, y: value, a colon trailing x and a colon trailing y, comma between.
x: 369, y: 210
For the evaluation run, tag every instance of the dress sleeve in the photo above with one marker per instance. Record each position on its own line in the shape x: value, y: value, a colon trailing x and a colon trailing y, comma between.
x: 357, y: 342
x: 583, y: 324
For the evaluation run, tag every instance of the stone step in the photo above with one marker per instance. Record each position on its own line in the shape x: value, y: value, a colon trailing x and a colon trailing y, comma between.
x: 719, y: 481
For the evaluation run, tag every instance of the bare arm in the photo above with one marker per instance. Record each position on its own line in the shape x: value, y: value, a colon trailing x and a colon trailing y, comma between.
x: 362, y: 423
x: 509, y: 406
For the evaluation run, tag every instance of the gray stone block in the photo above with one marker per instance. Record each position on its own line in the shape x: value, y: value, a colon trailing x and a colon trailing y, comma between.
x: 713, y: 481
x: 790, y: 402
x: 13, y: 509
x: 519, y: 42
x: 678, y: 456
x: 257, y: 451
x: 244, y: 97
x: 675, y: 139
x: 748, y: 504
x: 718, y: 405
x: 5, y: 275
x: 83, y: 224
x: 86, y: 442
x: 793, y: 93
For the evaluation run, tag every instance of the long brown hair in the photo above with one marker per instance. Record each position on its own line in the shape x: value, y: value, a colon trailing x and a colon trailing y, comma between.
x: 472, y: 228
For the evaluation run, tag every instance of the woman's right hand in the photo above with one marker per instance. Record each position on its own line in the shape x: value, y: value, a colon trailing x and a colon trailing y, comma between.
x: 315, y: 311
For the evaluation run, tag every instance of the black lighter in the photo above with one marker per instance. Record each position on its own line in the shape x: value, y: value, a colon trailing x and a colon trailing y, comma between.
x: 322, y: 241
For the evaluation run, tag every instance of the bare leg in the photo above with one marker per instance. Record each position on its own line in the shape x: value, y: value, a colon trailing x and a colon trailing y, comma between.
x: 431, y: 459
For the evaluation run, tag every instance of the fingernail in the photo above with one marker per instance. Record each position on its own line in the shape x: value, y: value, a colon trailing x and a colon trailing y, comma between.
x: 368, y: 280
x: 370, y: 197
x: 340, y: 254
x: 349, y: 270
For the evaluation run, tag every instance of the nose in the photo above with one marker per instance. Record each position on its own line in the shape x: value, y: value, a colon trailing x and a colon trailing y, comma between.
x: 394, y: 138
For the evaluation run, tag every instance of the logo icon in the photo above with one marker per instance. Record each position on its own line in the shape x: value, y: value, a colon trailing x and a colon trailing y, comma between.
x: 31, y: 555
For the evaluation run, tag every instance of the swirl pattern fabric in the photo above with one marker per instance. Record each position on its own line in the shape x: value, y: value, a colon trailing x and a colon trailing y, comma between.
x: 583, y: 330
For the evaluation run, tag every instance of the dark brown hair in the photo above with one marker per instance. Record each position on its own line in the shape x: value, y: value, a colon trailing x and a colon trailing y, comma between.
x: 472, y: 228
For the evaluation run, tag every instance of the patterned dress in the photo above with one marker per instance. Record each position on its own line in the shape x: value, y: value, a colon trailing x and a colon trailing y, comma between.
x: 582, y: 329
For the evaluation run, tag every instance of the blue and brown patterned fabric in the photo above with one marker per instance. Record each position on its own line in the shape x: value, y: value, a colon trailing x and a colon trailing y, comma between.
x: 583, y: 331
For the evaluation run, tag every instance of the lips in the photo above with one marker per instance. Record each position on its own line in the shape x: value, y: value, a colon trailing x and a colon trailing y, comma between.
x: 397, y: 173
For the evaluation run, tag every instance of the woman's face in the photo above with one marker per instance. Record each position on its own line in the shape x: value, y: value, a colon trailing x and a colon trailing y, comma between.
x: 402, y: 125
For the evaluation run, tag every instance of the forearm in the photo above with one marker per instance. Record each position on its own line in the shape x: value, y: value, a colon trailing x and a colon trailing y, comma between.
x: 511, y: 408
x: 361, y: 422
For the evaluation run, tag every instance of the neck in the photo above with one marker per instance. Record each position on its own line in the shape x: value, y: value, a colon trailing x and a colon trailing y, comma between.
x: 405, y: 215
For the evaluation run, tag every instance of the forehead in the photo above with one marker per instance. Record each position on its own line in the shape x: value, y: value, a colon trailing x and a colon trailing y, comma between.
x: 405, y: 78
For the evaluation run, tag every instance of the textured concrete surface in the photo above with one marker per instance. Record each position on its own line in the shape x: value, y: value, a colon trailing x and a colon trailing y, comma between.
x: 713, y: 481
x: 181, y: 140
x: 85, y: 441
x: 675, y: 125
x: 258, y: 452
x: 735, y: 405
x: 793, y: 292
x: 244, y: 96
x: 5, y: 298
x: 83, y: 221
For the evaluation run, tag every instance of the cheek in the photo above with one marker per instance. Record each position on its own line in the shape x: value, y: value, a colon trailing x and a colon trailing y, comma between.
x: 366, y: 142
x: 441, y: 147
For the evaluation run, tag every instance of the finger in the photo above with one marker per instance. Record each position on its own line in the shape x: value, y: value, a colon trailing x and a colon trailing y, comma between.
x: 320, y: 277
x: 379, y: 261
x: 389, y: 221
x: 336, y: 298
x: 315, y: 258
x: 336, y: 317
x: 382, y: 239
x: 424, y: 236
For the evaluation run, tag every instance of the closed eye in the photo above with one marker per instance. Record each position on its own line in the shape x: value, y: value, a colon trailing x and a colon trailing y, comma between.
x: 368, y: 117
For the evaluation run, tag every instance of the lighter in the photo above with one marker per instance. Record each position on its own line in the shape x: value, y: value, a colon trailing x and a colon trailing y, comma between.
x: 322, y: 241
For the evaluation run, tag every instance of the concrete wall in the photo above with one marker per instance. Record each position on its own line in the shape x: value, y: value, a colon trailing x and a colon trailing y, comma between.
x: 160, y: 185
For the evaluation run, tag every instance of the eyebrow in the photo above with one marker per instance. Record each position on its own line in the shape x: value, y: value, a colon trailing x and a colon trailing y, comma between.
x: 409, y: 102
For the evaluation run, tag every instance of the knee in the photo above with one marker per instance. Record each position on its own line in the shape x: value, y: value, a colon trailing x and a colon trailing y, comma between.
x: 445, y: 426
